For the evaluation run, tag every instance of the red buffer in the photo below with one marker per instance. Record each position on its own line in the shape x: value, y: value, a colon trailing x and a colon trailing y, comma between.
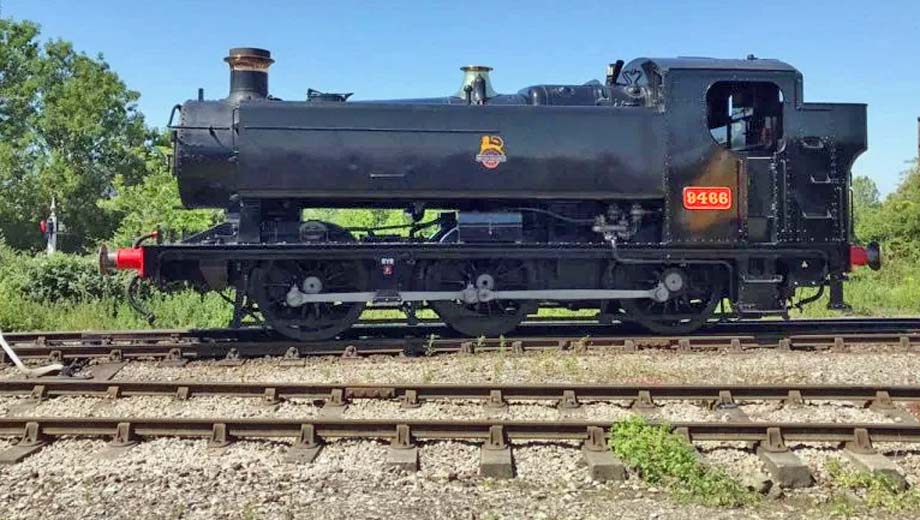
x: 122, y: 259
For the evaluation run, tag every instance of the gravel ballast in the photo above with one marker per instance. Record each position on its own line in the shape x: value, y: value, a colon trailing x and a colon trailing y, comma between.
x: 653, y: 367
x: 184, y: 479
x: 814, y: 411
x: 170, y: 478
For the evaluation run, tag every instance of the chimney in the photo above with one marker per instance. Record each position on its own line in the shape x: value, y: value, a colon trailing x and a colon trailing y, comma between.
x: 476, y: 86
x: 248, y: 73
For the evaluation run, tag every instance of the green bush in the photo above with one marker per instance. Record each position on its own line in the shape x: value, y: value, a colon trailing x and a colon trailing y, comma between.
x: 663, y: 458
x: 18, y: 313
x: 63, y: 277
x: 865, y: 494
x: 59, y: 277
x: 181, y: 310
x: 189, y: 309
x: 65, y: 292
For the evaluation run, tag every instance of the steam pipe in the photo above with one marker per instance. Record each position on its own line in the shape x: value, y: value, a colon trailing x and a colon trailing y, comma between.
x: 30, y: 372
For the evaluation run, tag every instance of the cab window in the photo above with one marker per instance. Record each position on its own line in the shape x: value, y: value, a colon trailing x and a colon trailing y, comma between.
x: 745, y: 116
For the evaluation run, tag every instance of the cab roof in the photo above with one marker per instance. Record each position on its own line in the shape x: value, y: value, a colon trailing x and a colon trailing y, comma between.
x: 701, y: 63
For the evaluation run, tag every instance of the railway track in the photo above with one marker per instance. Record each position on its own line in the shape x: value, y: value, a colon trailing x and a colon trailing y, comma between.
x: 773, y: 442
x: 225, y: 430
x: 565, y: 395
x: 770, y: 440
x: 232, y: 344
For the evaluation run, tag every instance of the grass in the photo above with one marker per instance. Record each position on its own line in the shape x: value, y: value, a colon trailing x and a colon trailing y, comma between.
x: 664, y: 459
x: 860, y: 493
x: 249, y: 512
x: 891, y: 291
x: 430, y: 348
x: 179, y: 310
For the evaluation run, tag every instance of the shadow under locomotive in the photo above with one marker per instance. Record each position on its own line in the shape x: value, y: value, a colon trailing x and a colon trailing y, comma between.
x: 652, y: 197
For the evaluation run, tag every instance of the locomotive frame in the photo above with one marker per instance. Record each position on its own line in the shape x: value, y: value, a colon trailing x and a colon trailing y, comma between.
x: 652, y: 197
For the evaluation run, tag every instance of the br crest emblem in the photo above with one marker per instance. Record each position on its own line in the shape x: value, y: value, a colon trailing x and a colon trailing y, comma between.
x: 491, y: 151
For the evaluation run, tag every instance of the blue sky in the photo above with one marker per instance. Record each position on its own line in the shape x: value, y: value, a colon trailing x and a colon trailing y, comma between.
x: 848, y: 51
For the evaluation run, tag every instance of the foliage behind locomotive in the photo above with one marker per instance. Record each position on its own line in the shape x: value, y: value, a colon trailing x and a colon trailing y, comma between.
x: 651, y: 197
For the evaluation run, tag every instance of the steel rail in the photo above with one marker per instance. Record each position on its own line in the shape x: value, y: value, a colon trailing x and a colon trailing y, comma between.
x: 570, y: 393
x: 217, y: 343
x: 190, y: 348
x: 530, y: 327
x: 38, y: 429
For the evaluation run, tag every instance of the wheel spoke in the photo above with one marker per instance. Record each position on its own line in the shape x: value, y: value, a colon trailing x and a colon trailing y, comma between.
x: 312, y: 321
x: 683, y: 312
x: 482, y: 318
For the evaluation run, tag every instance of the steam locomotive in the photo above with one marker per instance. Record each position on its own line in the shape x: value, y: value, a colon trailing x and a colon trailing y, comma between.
x: 653, y: 197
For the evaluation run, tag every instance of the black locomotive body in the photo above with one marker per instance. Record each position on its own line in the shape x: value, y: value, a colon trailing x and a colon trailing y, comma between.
x: 652, y: 196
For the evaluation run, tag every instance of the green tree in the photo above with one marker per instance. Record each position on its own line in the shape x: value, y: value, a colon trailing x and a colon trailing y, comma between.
x: 359, y: 218
x: 68, y: 128
x: 866, y: 205
x: 153, y: 203
x: 897, y: 221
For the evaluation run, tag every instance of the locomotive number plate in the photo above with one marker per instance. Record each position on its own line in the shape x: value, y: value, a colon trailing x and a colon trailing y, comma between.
x: 707, y: 197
